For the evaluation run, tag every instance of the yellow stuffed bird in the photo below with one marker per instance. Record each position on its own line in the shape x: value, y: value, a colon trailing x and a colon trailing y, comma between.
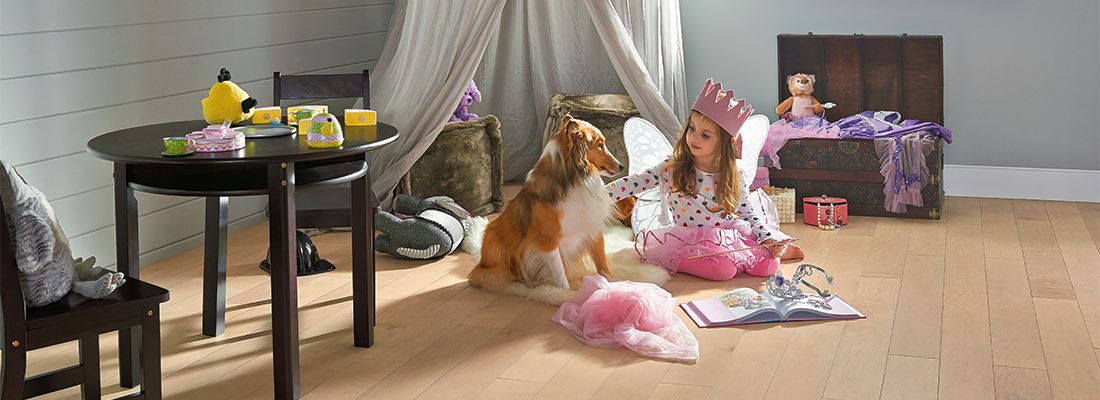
x: 227, y: 102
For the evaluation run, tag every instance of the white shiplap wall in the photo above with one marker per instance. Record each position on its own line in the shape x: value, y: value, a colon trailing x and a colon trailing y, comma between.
x: 71, y: 70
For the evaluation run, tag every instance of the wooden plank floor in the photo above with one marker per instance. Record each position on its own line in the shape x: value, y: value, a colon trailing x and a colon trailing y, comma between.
x: 1000, y: 299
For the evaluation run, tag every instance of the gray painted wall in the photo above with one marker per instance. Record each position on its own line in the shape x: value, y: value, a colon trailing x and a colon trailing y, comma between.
x: 71, y: 70
x: 1022, y: 78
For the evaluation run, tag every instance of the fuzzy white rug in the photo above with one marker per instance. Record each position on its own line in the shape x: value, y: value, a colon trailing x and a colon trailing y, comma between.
x: 618, y: 244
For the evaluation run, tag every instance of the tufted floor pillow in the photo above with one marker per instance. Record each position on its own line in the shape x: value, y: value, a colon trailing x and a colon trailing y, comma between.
x: 464, y: 163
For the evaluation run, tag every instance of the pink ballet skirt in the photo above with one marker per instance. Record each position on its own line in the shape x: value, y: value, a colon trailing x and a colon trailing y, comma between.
x: 638, y: 316
x: 671, y: 246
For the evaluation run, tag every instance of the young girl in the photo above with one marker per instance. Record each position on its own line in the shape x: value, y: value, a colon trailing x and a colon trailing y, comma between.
x: 705, y: 210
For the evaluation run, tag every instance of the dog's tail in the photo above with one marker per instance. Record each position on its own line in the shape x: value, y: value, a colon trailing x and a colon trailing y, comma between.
x: 475, y: 233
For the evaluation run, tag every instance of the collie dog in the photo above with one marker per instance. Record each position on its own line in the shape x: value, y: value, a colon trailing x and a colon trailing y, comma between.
x: 557, y: 217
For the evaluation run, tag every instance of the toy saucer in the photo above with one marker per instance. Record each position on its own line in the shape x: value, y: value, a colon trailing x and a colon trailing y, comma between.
x: 167, y: 154
x: 270, y: 130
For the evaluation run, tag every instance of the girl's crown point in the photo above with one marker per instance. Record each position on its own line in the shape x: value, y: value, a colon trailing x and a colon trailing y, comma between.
x: 729, y: 114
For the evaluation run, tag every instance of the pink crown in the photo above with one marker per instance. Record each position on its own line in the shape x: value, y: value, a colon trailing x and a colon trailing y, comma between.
x: 729, y: 114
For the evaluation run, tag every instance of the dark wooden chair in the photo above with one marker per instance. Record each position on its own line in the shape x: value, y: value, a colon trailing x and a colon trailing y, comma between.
x: 324, y: 86
x: 74, y: 317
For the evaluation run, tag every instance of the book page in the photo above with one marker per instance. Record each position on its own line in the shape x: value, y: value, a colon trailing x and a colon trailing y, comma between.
x: 802, y: 310
x: 730, y: 309
x: 746, y: 305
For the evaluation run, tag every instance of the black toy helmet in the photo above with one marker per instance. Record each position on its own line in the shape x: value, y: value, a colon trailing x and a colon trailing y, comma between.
x: 309, y: 262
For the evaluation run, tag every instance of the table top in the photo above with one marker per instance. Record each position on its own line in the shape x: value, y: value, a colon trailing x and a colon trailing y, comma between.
x: 144, y: 144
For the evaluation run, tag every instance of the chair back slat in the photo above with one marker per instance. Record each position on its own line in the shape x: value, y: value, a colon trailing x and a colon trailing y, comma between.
x: 330, y: 86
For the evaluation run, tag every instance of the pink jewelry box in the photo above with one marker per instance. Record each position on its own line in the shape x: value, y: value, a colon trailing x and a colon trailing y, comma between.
x: 824, y: 211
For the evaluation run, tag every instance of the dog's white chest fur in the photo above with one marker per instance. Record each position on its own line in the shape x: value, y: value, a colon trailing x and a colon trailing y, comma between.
x: 584, y: 211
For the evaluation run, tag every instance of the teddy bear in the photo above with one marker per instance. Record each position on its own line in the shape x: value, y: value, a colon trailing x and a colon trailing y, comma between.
x: 471, y: 96
x: 800, y: 104
x: 227, y: 102
x: 431, y: 228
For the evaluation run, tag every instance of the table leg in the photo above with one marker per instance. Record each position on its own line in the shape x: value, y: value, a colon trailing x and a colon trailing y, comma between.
x: 362, y: 262
x: 284, y: 274
x: 213, y: 275
x: 128, y: 262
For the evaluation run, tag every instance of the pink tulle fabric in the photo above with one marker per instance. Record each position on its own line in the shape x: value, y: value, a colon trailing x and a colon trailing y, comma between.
x: 671, y: 246
x: 638, y: 316
x: 780, y: 131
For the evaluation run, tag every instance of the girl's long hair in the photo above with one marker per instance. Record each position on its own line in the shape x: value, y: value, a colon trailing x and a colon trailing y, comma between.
x: 727, y: 180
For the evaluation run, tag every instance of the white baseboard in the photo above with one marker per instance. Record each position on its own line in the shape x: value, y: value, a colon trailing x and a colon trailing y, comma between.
x: 1021, y: 183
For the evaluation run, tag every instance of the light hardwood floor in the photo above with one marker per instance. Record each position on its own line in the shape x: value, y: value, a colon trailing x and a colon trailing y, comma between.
x: 1000, y: 299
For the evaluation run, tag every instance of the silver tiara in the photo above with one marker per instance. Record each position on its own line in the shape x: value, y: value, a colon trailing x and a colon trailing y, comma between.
x: 788, y: 289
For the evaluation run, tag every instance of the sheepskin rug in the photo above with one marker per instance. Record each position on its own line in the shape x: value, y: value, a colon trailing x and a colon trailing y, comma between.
x: 618, y: 244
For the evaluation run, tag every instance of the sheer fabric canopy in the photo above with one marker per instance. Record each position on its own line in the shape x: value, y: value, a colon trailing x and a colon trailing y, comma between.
x: 519, y: 52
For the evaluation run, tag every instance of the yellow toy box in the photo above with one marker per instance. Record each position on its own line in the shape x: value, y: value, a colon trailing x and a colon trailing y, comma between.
x: 353, y: 117
x: 263, y: 115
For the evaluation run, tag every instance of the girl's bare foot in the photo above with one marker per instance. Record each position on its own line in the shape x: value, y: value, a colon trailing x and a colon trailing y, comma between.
x: 792, y: 252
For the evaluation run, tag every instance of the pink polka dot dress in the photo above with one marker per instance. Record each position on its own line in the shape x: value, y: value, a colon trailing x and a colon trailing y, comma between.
x: 688, y: 225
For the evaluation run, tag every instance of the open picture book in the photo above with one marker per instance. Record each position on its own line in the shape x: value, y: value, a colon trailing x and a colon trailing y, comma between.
x: 746, y: 306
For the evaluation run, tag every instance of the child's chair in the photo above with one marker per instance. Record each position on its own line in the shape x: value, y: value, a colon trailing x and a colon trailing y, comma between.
x: 326, y: 207
x: 73, y: 317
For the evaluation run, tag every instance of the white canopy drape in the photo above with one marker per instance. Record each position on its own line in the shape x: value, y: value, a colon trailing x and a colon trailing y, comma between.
x: 434, y: 49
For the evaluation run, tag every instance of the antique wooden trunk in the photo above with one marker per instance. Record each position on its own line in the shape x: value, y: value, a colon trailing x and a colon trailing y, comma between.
x: 861, y: 73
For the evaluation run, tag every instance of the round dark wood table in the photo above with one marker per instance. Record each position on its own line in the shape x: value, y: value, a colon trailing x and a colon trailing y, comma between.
x: 275, y: 166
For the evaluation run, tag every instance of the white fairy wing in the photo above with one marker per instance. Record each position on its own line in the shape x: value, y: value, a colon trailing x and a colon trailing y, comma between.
x: 753, y: 134
x: 647, y: 214
x: 645, y: 145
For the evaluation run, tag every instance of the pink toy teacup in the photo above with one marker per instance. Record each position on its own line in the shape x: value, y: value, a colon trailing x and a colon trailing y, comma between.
x: 213, y: 131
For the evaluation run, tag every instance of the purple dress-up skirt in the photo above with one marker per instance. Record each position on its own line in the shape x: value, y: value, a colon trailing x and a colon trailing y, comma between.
x: 885, y: 124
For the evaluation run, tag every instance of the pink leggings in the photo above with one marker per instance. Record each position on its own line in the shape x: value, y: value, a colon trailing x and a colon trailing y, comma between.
x: 718, y: 268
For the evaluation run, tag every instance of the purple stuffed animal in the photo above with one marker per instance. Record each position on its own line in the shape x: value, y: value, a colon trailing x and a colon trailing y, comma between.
x: 471, y: 96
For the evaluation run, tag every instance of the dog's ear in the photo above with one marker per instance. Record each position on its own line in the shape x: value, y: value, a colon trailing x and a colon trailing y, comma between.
x: 565, y: 121
x: 576, y: 134
x: 567, y: 126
